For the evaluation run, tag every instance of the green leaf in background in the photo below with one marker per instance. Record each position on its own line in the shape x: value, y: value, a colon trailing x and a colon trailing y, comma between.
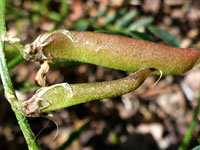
x: 144, y: 22
x: 142, y: 36
x: 196, y: 148
x: 110, y: 18
x: 81, y: 25
x: 134, y: 34
x: 54, y: 16
x: 43, y: 6
x: 107, y: 31
x: 126, y: 19
x: 165, y: 36
x: 122, y: 11
x: 100, y: 13
x: 112, y: 32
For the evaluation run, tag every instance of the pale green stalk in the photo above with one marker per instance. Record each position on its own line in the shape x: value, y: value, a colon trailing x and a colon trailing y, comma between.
x: 8, y: 87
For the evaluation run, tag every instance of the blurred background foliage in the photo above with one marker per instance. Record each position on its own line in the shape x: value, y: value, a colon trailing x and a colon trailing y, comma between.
x: 147, y: 119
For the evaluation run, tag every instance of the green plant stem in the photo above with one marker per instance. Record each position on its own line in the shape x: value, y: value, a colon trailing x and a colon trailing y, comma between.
x: 8, y: 88
x: 14, y: 62
x: 188, y: 136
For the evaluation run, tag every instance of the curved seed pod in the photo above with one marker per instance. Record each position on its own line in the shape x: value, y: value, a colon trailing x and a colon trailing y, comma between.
x: 64, y: 95
x: 113, y: 51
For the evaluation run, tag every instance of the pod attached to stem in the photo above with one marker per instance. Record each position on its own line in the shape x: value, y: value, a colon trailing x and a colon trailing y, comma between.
x: 64, y: 95
x: 112, y: 51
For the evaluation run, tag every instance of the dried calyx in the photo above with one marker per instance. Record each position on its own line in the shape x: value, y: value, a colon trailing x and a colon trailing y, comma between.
x: 33, y: 106
x: 34, y: 51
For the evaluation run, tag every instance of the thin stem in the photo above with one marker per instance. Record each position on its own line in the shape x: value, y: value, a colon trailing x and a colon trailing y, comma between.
x: 8, y: 87
x: 189, y: 133
x: 15, y: 61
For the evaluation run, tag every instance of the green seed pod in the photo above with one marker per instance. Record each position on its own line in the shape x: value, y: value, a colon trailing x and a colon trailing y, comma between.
x: 64, y: 95
x: 113, y: 51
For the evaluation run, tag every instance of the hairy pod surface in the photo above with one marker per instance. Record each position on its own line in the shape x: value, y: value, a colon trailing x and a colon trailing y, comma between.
x: 64, y: 95
x: 112, y: 51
